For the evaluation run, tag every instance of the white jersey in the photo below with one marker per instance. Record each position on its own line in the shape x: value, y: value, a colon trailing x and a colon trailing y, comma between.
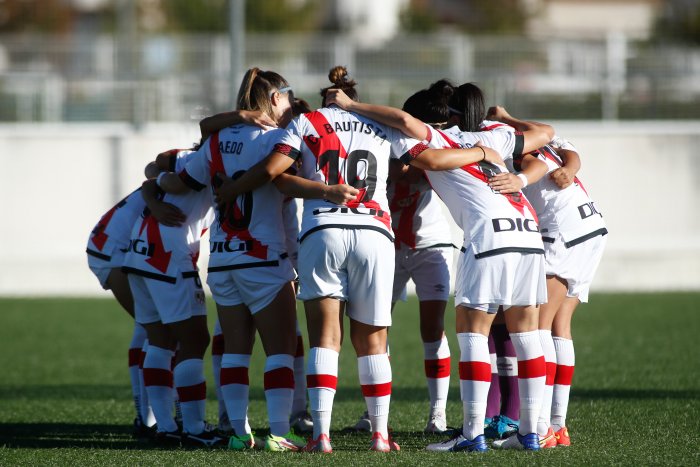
x: 416, y: 215
x: 160, y: 252
x: 291, y: 229
x: 342, y: 147
x: 113, y: 230
x: 569, y: 212
x: 493, y: 223
x: 249, y: 230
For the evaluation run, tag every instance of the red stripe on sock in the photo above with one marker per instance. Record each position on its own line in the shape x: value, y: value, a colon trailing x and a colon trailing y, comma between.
x: 279, y: 378
x: 196, y: 392
x: 551, y: 369
x: 565, y: 374
x: 533, y: 368
x: 300, y: 347
x: 235, y: 375
x: 134, y: 357
x: 439, y: 368
x: 157, y: 377
x: 475, y: 371
x: 217, y: 344
x: 321, y: 381
x: 376, y: 390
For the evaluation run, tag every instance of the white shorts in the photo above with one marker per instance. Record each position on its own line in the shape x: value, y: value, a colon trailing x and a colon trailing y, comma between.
x: 156, y: 300
x: 102, y: 267
x: 509, y: 279
x: 352, y: 265
x: 576, y: 265
x: 254, y: 287
x: 429, y: 269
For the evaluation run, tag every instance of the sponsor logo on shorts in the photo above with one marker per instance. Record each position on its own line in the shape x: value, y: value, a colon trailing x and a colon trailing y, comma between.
x: 505, y: 224
x: 587, y: 210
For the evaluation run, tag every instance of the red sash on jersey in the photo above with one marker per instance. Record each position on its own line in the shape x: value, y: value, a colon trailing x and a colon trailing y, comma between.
x: 255, y: 249
x: 404, y: 232
x: 517, y: 200
x: 159, y: 259
x: 99, y: 237
x: 550, y: 154
x: 331, y: 142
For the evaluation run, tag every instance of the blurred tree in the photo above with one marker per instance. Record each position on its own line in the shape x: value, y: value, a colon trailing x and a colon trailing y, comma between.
x: 47, y: 16
x: 261, y: 15
x: 679, y: 20
x: 471, y: 16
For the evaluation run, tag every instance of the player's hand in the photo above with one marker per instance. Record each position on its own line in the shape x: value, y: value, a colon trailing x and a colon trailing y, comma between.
x: 167, y: 214
x: 257, y: 118
x: 562, y: 177
x: 224, y: 189
x: 505, y: 183
x: 339, y: 98
x: 497, y: 113
x: 341, y: 194
x: 492, y: 155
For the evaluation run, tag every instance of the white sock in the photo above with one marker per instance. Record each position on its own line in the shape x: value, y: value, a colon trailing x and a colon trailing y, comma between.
x: 531, y: 378
x: 437, y: 372
x: 192, y: 392
x: 321, y: 380
x: 279, y: 391
x: 235, y: 388
x: 474, y: 381
x: 158, y: 380
x: 375, y: 379
x: 566, y: 361
x: 137, y: 339
x: 550, y: 359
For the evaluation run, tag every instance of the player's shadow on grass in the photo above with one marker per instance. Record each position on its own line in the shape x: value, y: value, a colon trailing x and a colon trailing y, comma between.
x: 69, y: 435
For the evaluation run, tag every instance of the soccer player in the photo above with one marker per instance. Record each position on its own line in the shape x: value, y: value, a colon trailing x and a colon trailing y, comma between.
x: 170, y: 304
x: 502, y: 263
x: 346, y: 259
x: 250, y: 274
x: 106, y: 249
x: 574, y: 235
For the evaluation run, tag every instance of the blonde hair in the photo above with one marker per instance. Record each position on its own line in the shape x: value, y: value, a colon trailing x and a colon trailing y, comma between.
x: 339, y: 77
x: 255, y: 90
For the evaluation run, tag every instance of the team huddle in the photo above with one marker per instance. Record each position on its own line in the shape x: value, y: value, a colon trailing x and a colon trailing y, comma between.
x: 373, y: 180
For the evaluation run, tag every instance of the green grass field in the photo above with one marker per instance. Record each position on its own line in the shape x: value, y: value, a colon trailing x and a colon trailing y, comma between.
x: 65, y: 397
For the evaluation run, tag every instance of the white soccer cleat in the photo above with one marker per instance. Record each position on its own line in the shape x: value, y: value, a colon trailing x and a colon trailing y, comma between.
x: 437, y: 423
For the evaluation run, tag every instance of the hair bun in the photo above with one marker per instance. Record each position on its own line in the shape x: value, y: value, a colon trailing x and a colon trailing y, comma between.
x: 339, y: 77
x: 441, y: 90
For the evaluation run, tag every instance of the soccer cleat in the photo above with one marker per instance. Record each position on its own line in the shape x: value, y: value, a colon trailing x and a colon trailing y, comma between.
x: 562, y: 437
x: 224, y: 425
x: 242, y: 443
x: 320, y: 444
x: 549, y: 440
x: 491, y: 428
x: 209, y: 437
x: 302, y: 422
x: 168, y: 438
x: 500, y: 427
x: 459, y: 443
x: 381, y: 444
x: 529, y: 442
x: 142, y: 431
x: 364, y: 423
x: 287, y: 442
x: 437, y: 423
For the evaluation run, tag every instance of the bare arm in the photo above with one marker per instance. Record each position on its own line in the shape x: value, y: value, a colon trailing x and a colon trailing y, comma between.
x: 447, y: 159
x: 298, y: 187
x: 535, y: 134
x: 565, y: 175
x: 214, y: 123
x: 165, y: 213
x: 262, y: 172
x: 389, y: 116
x: 533, y: 170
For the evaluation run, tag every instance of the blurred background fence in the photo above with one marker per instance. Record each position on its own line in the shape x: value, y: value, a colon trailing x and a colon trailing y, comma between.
x: 168, y: 78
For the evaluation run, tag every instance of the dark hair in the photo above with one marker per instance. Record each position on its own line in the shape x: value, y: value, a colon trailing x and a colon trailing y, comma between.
x: 254, y: 93
x: 300, y: 106
x: 430, y: 105
x: 339, y: 77
x: 468, y: 102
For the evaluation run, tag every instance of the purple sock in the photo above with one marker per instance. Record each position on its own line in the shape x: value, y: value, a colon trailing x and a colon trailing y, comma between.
x: 507, y: 372
x: 493, y: 403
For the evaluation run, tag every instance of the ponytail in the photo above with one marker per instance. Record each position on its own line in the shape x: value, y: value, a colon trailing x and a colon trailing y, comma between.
x: 256, y: 87
x: 468, y: 103
x: 339, y: 77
